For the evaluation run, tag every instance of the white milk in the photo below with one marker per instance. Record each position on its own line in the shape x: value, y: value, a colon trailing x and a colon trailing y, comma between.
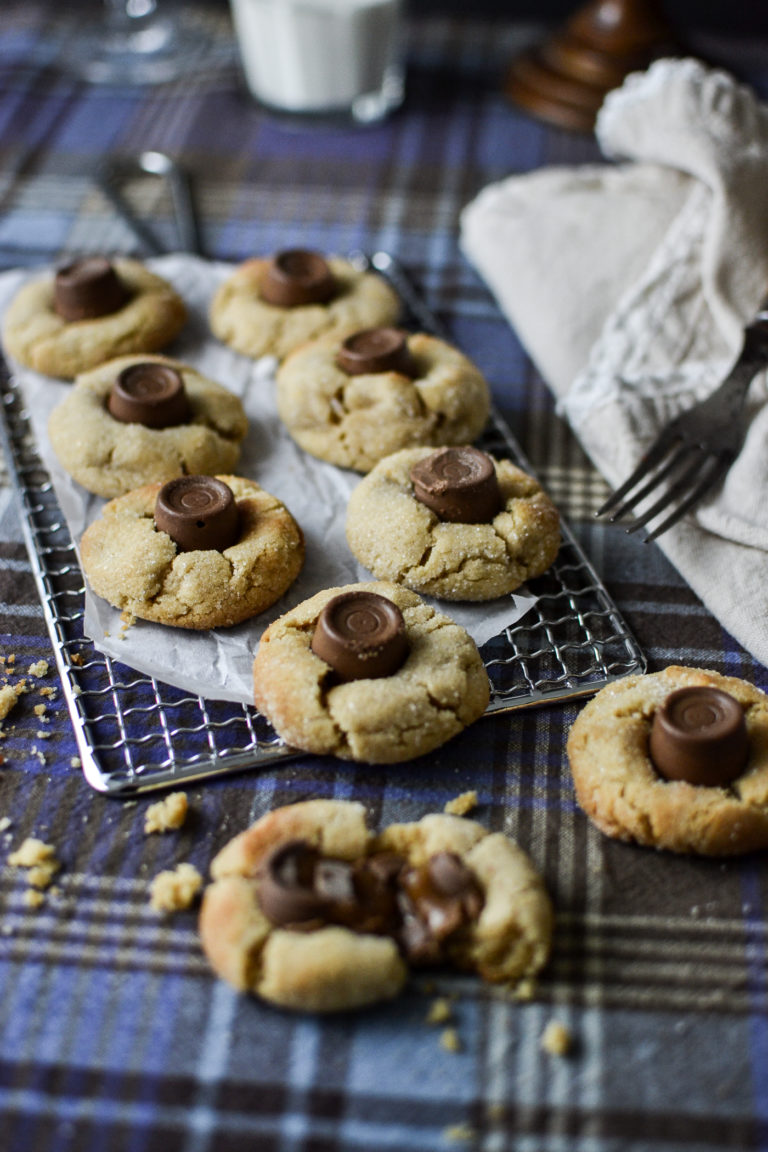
x: 322, y: 56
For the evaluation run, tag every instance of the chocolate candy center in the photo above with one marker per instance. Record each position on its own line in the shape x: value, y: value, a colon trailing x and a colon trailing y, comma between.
x: 361, y: 635
x: 700, y: 735
x: 375, y: 350
x: 87, y: 289
x: 458, y: 484
x: 199, y: 513
x: 421, y: 908
x: 297, y: 276
x: 150, y: 394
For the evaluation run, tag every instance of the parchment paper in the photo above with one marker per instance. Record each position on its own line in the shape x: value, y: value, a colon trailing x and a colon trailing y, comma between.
x: 217, y: 664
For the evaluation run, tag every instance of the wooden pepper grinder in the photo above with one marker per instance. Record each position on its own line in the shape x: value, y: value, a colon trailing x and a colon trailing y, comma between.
x: 565, y: 79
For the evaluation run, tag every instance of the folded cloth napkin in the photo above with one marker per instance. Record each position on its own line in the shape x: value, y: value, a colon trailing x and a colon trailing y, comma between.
x: 629, y: 285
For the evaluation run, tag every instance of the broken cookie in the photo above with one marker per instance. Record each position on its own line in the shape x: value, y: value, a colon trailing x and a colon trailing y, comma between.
x: 311, y: 911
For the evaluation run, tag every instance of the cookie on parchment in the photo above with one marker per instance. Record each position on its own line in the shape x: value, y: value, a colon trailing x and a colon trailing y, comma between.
x: 511, y: 536
x: 145, y: 314
x: 110, y: 457
x: 419, y: 681
x: 140, y: 569
x: 617, y: 739
x: 353, y: 417
x: 311, y: 911
x: 269, y: 306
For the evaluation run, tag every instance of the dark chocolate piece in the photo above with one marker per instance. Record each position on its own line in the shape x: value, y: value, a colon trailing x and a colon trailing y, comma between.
x: 199, y: 513
x: 361, y: 635
x: 376, y: 350
x: 700, y: 735
x: 87, y: 289
x: 297, y: 276
x: 421, y: 908
x: 151, y: 394
x: 458, y: 484
x: 286, y: 890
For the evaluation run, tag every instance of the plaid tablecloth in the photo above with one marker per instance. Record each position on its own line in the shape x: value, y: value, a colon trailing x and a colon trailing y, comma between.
x: 114, y: 1034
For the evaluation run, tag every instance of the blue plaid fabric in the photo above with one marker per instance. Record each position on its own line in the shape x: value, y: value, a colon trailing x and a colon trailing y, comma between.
x: 114, y: 1035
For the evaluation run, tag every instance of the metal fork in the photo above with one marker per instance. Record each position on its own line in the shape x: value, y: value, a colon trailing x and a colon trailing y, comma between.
x: 695, y: 450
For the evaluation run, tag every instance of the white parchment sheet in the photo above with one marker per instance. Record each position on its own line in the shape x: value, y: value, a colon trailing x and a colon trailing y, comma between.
x: 217, y: 664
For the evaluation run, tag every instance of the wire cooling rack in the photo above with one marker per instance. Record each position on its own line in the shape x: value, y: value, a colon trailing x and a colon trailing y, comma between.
x: 136, y: 733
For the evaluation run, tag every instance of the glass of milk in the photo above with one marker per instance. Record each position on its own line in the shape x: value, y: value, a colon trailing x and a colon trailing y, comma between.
x: 322, y: 57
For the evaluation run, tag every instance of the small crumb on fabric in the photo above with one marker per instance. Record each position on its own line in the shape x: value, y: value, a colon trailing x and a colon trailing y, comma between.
x: 449, y: 1040
x: 167, y: 814
x: 33, y: 898
x: 556, y: 1039
x: 459, y: 1133
x: 8, y: 696
x: 5, y: 823
x: 461, y: 804
x: 40, y: 860
x: 524, y: 990
x: 75, y: 762
x: 49, y: 691
x: 439, y: 1011
x: 40, y: 709
x: 38, y: 670
x: 173, y: 890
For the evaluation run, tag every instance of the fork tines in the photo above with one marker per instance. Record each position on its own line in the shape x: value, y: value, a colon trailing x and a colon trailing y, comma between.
x: 691, y: 471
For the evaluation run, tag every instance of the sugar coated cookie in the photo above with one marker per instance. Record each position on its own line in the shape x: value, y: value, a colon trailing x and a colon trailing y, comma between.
x: 110, y: 456
x: 676, y: 759
x: 141, y: 569
x: 420, y: 678
x: 509, y: 531
x: 311, y: 911
x: 354, y: 419
x: 145, y: 313
x: 264, y: 310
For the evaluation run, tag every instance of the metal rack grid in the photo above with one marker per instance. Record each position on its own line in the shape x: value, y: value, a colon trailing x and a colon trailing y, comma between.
x: 135, y: 733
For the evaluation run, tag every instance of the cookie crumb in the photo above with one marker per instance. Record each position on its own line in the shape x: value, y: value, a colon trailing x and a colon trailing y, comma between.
x: 5, y: 823
x: 38, y: 670
x: 461, y: 804
x: 39, y: 709
x: 524, y: 990
x: 168, y: 814
x: 459, y: 1133
x: 75, y: 762
x: 76, y: 658
x: 48, y: 691
x: 449, y: 1040
x: 127, y: 620
x: 439, y: 1011
x: 173, y: 890
x: 39, y: 858
x: 33, y: 898
x: 556, y: 1039
x: 8, y: 697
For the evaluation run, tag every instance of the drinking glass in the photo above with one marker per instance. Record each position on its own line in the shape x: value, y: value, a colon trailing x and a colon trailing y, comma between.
x: 138, y: 42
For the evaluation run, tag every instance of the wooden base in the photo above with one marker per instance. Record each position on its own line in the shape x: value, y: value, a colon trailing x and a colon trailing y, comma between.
x: 565, y: 79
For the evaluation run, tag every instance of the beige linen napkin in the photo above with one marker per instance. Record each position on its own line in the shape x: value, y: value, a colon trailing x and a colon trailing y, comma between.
x: 629, y: 285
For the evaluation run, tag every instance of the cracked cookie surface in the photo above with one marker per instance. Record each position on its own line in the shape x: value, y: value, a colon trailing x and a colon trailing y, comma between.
x: 619, y: 789
x: 40, y: 339
x: 110, y: 458
x: 398, y: 538
x: 138, y: 569
x: 245, y: 322
x: 333, y: 968
x: 354, y: 421
x: 440, y: 689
